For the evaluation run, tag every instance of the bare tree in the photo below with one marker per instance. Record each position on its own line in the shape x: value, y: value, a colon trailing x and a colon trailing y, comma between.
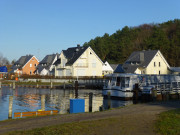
x: 3, y: 60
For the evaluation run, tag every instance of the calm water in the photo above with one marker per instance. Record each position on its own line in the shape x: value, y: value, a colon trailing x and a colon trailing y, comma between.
x: 29, y: 99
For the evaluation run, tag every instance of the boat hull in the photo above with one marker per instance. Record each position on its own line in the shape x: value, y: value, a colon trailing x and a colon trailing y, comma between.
x: 118, y: 94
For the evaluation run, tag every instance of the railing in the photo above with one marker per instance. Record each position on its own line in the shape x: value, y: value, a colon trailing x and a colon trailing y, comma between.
x: 81, y: 65
x: 61, y: 66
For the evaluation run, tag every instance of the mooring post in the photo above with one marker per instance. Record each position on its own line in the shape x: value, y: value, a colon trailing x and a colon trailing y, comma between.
x: 109, y: 100
x: 64, y: 86
x: 14, y: 85
x: 154, y: 94
x: 10, y: 107
x: 76, y: 89
x: 90, y: 101
x: 43, y: 102
x: 51, y: 85
x: 136, y: 94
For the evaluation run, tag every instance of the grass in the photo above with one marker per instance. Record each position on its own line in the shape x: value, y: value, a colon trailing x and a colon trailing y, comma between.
x: 75, y: 128
x: 169, y: 123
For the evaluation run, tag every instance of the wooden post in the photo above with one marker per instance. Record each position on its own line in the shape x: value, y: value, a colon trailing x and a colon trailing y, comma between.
x: 10, y: 107
x: 90, y: 101
x: 37, y: 86
x: 109, y: 100
x: 154, y: 94
x: 0, y: 93
x: 64, y: 86
x: 51, y: 84
x: 14, y: 85
x: 76, y: 89
x: 43, y: 102
x: 136, y: 93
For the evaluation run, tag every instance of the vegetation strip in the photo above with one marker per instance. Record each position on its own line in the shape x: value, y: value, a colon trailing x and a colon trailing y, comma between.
x: 169, y: 123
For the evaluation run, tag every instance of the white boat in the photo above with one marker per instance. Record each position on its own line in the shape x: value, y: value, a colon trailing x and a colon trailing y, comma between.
x: 120, y: 85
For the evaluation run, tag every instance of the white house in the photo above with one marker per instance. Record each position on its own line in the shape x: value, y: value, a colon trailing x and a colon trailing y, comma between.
x: 107, y: 69
x: 78, y: 61
x: 146, y: 62
x: 46, y: 66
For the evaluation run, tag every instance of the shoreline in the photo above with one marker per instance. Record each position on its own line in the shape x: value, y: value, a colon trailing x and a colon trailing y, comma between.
x: 140, y: 116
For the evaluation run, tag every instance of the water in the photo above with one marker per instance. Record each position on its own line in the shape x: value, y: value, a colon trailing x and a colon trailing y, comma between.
x: 29, y: 99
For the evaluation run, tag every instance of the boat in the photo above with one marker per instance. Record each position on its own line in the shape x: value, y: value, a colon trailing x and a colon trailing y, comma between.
x: 122, y: 85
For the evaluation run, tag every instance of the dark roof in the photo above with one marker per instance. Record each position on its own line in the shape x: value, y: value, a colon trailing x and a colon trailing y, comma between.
x: 138, y: 59
x: 119, y: 69
x: 72, y: 54
x: 58, y: 61
x: 175, y: 69
x: 114, y: 66
x: 21, y: 62
x: 48, y: 59
x: 46, y: 62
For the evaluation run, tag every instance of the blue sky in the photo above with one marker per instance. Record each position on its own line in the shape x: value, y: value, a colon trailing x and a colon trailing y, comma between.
x: 42, y: 27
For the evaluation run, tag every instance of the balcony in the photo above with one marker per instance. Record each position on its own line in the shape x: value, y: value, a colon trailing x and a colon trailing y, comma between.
x: 81, y: 65
x: 61, y: 67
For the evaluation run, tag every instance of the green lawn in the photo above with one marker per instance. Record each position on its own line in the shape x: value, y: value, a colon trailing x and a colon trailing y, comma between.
x: 169, y: 123
x: 95, y: 127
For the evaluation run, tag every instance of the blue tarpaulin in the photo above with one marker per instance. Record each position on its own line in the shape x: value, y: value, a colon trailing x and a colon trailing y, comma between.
x: 3, y: 69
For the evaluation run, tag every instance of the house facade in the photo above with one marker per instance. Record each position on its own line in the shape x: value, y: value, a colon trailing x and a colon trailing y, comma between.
x: 107, y: 69
x: 146, y: 62
x: 78, y: 61
x: 25, y: 65
x: 46, y: 66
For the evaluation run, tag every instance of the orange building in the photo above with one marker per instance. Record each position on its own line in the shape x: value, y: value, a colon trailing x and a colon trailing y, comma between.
x: 25, y: 65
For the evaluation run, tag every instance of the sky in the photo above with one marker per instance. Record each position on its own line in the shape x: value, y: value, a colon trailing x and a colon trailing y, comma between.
x: 42, y: 27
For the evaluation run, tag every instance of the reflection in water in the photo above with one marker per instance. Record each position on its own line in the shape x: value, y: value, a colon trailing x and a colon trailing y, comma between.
x: 29, y: 99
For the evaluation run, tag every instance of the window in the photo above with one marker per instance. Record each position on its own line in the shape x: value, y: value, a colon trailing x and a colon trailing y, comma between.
x: 94, y: 63
x: 159, y: 72
x: 154, y: 64
x: 30, y: 72
x: 90, y: 53
x: 30, y: 65
x: 35, y: 65
x: 118, y: 81
x: 159, y: 64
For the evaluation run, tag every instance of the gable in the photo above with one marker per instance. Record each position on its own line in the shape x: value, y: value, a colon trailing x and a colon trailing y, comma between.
x: 159, y: 55
x: 106, y: 66
x: 92, y: 51
x: 30, y: 60
x: 76, y: 54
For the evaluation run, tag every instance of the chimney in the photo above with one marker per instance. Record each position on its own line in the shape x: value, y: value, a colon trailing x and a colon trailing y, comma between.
x: 78, y: 45
x: 141, y: 57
